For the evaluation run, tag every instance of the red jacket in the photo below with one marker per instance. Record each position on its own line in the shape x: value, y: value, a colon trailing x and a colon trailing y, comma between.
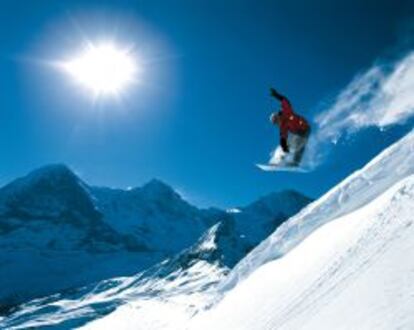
x: 290, y: 121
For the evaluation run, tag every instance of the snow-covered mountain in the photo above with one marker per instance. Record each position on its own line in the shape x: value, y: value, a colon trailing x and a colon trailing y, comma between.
x: 344, y: 262
x: 51, y: 208
x: 57, y: 232
x: 155, y: 214
x: 191, y: 273
x: 52, y: 237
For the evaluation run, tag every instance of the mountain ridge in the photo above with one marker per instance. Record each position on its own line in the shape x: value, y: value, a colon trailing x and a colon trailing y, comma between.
x: 51, y: 215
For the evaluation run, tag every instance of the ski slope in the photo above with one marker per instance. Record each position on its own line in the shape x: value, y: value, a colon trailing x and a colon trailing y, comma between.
x: 344, y: 262
x: 360, y: 188
x: 356, y: 272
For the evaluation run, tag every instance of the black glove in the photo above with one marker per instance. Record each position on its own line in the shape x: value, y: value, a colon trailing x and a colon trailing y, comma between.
x: 284, y: 145
x: 275, y: 94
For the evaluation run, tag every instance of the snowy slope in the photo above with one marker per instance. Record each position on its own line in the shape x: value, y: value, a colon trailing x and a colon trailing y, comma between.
x: 183, y: 281
x: 344, y: 262
x: 363, y: 186
x: 356, y: 272
x: 186, y: 283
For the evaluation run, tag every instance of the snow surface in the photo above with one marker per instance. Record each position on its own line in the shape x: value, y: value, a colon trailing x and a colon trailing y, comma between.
x: 185, y: 296
x: 183, y: 283
x: 344, y: 262
x: 363, y: 186
x: 357, y: 272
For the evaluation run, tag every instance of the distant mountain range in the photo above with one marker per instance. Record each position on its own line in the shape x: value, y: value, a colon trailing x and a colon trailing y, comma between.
x: 58, y: 232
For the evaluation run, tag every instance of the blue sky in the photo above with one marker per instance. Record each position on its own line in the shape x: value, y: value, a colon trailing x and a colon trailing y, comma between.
x: 199, y: 121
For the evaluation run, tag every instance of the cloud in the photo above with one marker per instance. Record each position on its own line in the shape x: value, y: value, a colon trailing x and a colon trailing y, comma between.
x: 381, y: 96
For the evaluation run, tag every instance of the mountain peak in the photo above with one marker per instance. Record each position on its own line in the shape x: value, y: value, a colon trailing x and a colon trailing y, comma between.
x: 281, y: 197
x: 53, y: 170
x: 157, y: 187
x: 48, y: 190
x: 285, y: 201
x: 53, y: 175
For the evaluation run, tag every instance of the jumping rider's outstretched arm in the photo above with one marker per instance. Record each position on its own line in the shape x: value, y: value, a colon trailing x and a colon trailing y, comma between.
x: 276, y: 94
x: 286, y: 107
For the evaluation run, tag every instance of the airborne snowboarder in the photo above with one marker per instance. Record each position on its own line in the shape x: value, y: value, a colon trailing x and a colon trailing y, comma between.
x: 290, y: 122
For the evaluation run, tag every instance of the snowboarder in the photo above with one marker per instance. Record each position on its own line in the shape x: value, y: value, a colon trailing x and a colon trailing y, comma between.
x: 290, y: 122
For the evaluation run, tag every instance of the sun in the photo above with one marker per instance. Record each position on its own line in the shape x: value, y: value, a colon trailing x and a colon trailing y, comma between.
x: 104, y: 69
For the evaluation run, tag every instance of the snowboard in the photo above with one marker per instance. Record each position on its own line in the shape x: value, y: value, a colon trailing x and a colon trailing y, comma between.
x: 280, y: 161
x: 280, y: 168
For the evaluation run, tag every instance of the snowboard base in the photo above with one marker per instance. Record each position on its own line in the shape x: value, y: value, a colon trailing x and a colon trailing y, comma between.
x: 280, y: 168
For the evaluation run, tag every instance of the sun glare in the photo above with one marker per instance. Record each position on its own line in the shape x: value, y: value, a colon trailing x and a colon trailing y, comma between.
x: 103, y: 69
